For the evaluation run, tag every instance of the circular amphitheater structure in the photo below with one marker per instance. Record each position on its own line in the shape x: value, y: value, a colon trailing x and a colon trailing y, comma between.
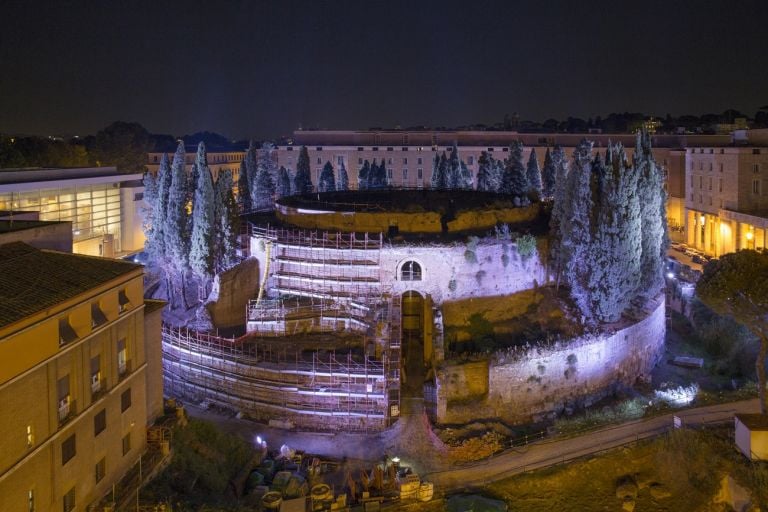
x: 347, y: 318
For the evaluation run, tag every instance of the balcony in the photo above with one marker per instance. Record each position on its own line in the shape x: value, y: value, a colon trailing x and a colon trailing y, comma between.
x: 123, y: 368
x: 98, y: 386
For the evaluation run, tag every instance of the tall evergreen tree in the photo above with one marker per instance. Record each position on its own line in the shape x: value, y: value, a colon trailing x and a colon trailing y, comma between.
x: 575, y: 227
x: 264, y: 188
x: 559, y: 211
x: 227, y: 222
x: 176, y: 233
x: 343, y: 183
x: 364, y: 175
x: 453, y: 172
x: 440, y: 172
x: 283, y: 183
x: 465, y: 176
x: 498, y: 174
x: 154, y: 216
x: 548, y: 176
x: 514, y: 181
x: 533, y: 174
x: 244, y: 189
x: 202, y: 236
x: 327, y: 182
x: 379, y: 175
x: 303, y: 179
x: 484, y: 172
x: 653, y: 205
x: 252, y: 169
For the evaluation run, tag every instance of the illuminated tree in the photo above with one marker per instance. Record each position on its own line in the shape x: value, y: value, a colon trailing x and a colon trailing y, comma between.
x: 263, y: 188
x: 362, y: 176
x: 303, y: 179
x: 736, y: 285
x: 227, y: 222
x: 484, y: 172
x: 283, y: 188
x: 244, y: 189
x: 575, y: 227
x: 453, y: 171
x: 201, y: 252
x: 548, y: 176
x: 156, y: 199
x: 465, y: 177
x: 440, y: 172
x: 176, y: 233
x: 559, y: 211
x: 533, y: 174
x: 653, y: 207
x: 251, y: 170
x: 514, y: 181
x: 343, y: 183
x: 327, y: 182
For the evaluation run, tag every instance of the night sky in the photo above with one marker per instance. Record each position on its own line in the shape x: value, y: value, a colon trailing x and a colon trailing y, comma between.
x: 263, y: 69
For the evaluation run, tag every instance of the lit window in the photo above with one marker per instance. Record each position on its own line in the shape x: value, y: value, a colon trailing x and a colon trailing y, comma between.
x: 410, y: 271
x: 30, y: 437
x: 122, y: 357
x: 65, y: 399
x: 31, y: 500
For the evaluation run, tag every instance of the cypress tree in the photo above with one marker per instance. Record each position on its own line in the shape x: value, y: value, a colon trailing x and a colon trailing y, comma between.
x: 548, y: 176
x: 514, y: 182
x: 327, y: 182
x: 575, y: 228
x: 466, y: 176
x: 533, y: 174
x: 497, y: 166
x: 244, y: 189
x: 264, y: 188
x: 283, y: 188
x: 343, y: 178
x: 227, y: 222
x: 362, y: 177
x: 380, y: 176
x: 440, y: 172
x: 303, y: 179
x: 251, y: 170
x: 453, y: 172
x: 202, y: 236
x: 484, y: 171
x: 155, y: 201
x: 653, y: 211
x: 176, y: 233
x: 559, y: 211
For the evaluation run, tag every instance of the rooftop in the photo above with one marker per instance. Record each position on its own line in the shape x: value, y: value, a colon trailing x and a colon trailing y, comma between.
x: 35, y: 175
x: 32, y: 280
x: 754, y: 421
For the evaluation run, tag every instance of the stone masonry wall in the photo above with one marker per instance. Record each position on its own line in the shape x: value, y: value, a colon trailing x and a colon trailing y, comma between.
x: 533, y: 382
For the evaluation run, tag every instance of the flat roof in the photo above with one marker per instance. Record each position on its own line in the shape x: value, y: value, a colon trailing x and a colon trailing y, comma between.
x: 28, y: 179
x: 8, y: 226
x: 754, y: 421
x: 32, y: 280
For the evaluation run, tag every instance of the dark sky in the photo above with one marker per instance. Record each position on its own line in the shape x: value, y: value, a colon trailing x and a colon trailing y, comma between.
x: 248, y: 68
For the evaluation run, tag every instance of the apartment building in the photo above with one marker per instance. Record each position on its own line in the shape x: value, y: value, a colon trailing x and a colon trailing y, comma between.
x: 80, y: 377
x: 726, y: 198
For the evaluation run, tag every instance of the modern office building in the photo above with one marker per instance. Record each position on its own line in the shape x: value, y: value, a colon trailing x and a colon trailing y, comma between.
x: 80, y: 377
x: 104, y: 206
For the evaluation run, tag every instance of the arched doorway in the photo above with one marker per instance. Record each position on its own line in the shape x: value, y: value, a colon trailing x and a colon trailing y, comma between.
x: 412, y: 325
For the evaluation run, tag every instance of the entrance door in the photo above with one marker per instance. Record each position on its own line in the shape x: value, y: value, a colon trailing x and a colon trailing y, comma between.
x: 412, y: 324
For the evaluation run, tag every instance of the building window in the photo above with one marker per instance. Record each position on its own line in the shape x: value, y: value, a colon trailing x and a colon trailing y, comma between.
x: 126, y: 443
x: 390, y: 149
x: 755, y: 151
x: 692, y: 186
x: 99, y: 422
x: 471, y: 160
x: 122, y: 358
x: 359, y: 148
x: 405, y: 174
x: 420, y: 173
x: 756, y: 187
x: 31, y: 500
x: 69, y: 500
x: 389, y: 174
x: 66, y: 333
x: 721, y: 167
x: 96, y: 375
x: 710, y: 183
x: 319, y: 161
x: 710, y: 166
x: 138, y: 196
x: 756, y: 168
x: 720, y: 185
x: 710, y: 200
x: 98, y: 317
x: 339, y: 160
x: 125, y: 400
x: 701, y: 182
x: 389, y: 161
x: 359, y: 161
x: 405, y: 161
x: 68, y: 449
x: 65, y: 399
x: 405, y: 139
x: 419, y: 161
x: 101, y: 469
x: 410, y: 271
x: 123, y: 302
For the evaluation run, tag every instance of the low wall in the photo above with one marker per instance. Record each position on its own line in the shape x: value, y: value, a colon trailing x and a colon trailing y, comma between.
x: 530, y: 383
x: 231, y: 292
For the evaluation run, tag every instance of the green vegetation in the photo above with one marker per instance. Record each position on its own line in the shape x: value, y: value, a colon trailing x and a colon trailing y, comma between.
x: 526, y: 246
x: 204, y: 462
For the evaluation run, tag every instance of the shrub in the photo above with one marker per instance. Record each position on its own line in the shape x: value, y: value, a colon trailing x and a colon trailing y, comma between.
x: 526, y: 246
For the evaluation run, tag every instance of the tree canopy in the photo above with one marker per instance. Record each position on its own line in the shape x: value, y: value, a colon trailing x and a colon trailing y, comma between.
x: 736, y: 285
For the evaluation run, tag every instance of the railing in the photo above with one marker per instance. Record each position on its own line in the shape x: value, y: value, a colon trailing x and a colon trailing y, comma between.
x: 67, y: 410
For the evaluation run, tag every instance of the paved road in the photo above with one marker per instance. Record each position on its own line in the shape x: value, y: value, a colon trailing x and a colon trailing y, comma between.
x: 549, y: 452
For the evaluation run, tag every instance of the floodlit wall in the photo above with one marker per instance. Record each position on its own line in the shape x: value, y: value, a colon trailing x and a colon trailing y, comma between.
x: 448, y: 272
x: 231, y: 292
x: 532, y: 382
